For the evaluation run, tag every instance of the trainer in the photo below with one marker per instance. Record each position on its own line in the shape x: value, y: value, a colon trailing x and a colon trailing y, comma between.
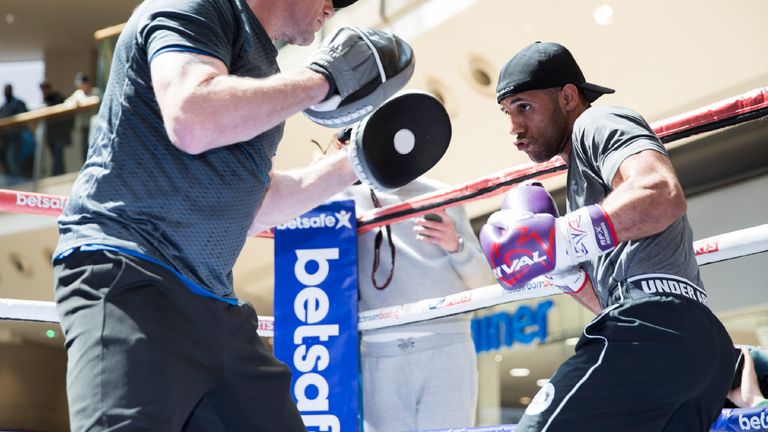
x: 178, y: 173
x: 655, y: 358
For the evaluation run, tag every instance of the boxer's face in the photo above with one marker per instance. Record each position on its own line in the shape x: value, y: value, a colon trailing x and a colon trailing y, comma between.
x: 538, y: 122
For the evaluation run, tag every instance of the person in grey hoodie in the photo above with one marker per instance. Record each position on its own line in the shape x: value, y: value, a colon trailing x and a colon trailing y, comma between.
x: 421, y: 375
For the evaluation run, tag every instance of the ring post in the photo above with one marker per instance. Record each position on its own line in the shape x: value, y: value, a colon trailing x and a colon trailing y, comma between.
x: 316, y: 306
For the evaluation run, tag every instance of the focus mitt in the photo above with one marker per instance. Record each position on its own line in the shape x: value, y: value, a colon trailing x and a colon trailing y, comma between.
x: 400, y: 141
x: 364, y: 67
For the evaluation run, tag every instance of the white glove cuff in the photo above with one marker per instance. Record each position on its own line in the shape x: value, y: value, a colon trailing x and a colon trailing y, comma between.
x: 584, y: 235
x: 570, y: 282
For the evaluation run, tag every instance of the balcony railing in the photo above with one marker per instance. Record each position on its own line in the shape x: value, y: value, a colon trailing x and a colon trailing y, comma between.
x: 44, y: 142
x: 53, y: 140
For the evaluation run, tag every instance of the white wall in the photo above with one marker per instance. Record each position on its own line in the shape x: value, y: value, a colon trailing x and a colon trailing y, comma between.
x: 25, y: 77
x: 741, y: 282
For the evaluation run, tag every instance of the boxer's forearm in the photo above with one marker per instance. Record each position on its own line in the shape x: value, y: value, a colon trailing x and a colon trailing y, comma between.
x: 588, y: 298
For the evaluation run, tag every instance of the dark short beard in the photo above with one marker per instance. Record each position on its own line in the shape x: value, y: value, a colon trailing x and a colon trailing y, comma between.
x: 555, y: 136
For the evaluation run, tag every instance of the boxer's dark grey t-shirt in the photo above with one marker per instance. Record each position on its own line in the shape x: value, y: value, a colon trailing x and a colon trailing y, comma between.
x: 136, y: 190
x: 602, y: 138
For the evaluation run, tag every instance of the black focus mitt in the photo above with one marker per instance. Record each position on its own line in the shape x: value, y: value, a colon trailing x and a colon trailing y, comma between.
x: 402, y: 140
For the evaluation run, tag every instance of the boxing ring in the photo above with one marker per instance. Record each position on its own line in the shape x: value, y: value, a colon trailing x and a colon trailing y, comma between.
x: 746, y: 107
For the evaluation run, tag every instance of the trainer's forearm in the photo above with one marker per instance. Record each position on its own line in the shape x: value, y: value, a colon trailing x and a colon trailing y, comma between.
x: 229, y: 109
x: 294, y: 192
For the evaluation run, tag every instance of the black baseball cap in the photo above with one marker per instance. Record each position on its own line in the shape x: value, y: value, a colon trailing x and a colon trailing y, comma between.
x: 543, y: 65
x: 338, y: 4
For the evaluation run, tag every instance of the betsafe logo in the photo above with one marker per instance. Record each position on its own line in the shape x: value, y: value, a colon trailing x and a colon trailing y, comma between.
x: 756, y: 422
x: 336, y: 221
x: 45, y: 202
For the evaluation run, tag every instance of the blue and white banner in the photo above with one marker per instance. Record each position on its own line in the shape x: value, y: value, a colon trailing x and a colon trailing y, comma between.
x: 742, y: 419
x: 316, y: 314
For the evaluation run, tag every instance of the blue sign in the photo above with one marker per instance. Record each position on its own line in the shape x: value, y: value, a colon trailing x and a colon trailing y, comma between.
x: 316, y: 314
x: 523, y: 326
x: 741, y: 419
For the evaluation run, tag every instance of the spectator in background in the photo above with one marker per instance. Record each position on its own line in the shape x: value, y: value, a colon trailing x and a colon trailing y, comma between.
x: 422, y: 375
x: 748, y: 394
x: 84, y: 90
x: 17, y: 157
x: 58, y: 129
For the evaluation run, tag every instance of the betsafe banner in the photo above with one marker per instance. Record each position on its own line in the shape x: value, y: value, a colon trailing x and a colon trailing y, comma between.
x: 742, y: 419
x: 316, y: 313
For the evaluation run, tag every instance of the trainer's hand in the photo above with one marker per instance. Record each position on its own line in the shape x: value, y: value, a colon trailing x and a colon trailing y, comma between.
x: 363, y: 67
x: 441, y: 233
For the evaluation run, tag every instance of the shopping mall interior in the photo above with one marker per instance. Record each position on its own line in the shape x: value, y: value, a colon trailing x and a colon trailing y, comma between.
x: 663, y: 58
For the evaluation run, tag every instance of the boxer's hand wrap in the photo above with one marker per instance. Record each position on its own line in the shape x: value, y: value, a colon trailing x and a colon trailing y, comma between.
x: 364, y: 67
x: 521, y: 245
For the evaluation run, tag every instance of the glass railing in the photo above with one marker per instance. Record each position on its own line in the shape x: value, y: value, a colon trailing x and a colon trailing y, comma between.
x: 45, y: 142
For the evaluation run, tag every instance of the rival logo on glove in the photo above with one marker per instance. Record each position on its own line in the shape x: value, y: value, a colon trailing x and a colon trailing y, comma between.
x: 510, y: 265
x: 502, y: 271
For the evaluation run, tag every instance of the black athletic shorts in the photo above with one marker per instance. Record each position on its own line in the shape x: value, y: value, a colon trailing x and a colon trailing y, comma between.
x: 145, y: 353
x: 647, y: 363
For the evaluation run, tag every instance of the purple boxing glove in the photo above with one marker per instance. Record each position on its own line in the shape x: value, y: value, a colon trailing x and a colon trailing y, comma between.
x: 534, y: 198
x: 519, y: 246
x: 530, y: 197
x: 526, y: 239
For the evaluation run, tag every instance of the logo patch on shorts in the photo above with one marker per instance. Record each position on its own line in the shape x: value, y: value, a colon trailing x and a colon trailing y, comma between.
x: 542, y: 400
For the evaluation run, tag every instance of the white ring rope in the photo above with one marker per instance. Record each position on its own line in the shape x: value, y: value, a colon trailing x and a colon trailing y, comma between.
x: 722, y: 247
x: 28, y: 310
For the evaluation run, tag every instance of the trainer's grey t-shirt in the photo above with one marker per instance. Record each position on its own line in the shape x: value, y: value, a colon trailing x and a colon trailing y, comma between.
x: 602, y: 138
x: 136, y: 190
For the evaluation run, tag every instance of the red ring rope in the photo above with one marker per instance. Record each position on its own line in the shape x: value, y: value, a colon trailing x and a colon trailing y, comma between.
x: 745, y: 107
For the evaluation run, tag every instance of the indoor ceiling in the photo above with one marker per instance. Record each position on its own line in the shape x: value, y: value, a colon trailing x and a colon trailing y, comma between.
x: 29, y: 28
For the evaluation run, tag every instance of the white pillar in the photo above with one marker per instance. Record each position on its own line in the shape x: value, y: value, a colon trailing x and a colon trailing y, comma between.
x: 489, y: 389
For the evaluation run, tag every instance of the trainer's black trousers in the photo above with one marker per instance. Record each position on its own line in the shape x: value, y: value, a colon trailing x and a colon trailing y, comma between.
x: 147, y: 354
